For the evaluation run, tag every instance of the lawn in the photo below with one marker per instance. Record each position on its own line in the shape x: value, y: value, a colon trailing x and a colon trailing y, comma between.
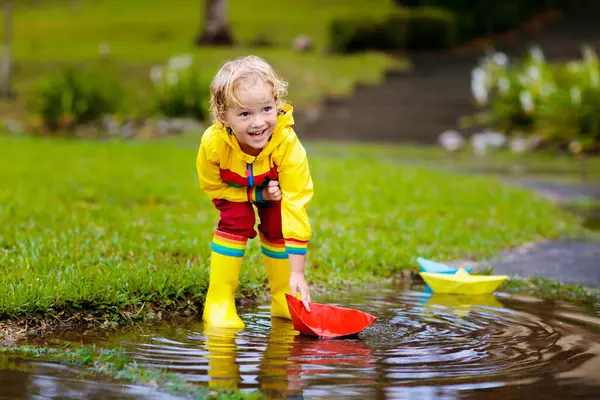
x: 110, y: 225
x: 54, y: 34
x: 540, y: 165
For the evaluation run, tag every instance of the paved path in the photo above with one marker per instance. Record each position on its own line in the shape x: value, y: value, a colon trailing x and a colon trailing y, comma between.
x: 563, y: 260
x: 566, y: 261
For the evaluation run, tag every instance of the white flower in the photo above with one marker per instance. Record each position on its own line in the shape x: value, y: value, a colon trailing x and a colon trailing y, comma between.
x: 500, y: 59
x: 451, y: 140
x: 526, y: 101
x: 494, y: 139
x: 518, y: 144
x: 182, y: 61
x: 533, y: 72
x: 156, y: 74
x: 576, y: 95
x: 479, y: 85
x: 589, y: 54
x: 536, y: 53
x: 479, y: 143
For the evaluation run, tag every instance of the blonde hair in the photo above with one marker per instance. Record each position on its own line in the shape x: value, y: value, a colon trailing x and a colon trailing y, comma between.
x: 247, y: 70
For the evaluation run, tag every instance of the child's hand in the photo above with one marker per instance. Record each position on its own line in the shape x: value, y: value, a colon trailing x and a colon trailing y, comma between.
x: 298, y: 284
x: 272, y: 192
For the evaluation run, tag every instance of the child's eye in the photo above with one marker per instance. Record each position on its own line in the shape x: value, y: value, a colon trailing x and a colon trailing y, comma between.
x: 267, y: 108
x: 244, y: 114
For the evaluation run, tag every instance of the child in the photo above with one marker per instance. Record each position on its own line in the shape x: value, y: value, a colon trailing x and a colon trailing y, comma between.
x: 252, y: 156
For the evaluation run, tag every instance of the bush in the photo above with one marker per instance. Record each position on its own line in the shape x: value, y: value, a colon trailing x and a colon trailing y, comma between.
x: 181, y: 89
x: 74, y: 97
x: 431, y: 29
x: 422, y: 28
x: 559, y: 102
x: 439, y: 24
x: 355, y: 34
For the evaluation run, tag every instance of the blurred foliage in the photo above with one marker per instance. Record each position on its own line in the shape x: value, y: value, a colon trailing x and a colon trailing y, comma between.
x: 441, y: 24
x: 73, y: 96
x: 416, y: 29
x: 558, y: 102
x: 126, y: 39
x: 181, y: 89
x: 485, y: 17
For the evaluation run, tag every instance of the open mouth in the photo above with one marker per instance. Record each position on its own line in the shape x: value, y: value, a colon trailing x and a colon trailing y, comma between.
x: 257, y: 133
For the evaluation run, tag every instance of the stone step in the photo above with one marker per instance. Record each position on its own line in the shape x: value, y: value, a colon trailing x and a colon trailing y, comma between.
x: 417, y: 105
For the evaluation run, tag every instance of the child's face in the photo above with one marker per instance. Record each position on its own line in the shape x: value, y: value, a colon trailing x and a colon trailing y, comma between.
x: 253, y: 124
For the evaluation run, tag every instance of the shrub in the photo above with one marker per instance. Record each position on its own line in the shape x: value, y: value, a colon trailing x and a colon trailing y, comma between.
x: 559, y: 102
x: 74, y: 97
x: 422, y: 28
x: 181, y: 89
x: 431, y: 29
x: 348, y: 35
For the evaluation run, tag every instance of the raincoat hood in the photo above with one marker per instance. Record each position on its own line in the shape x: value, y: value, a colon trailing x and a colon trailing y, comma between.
x: 285, y: 119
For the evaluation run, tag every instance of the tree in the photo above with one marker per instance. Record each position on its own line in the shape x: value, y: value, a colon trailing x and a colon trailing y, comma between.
x: 5, y: 83
x: 216, y: 29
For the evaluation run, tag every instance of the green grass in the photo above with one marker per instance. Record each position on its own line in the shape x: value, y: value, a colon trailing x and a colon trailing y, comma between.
x: 104, y: 226
x: 552, y: 290
x: 54, y: 34
x: 114, y: 363
x: 540, y: 165
x: 157, y: 28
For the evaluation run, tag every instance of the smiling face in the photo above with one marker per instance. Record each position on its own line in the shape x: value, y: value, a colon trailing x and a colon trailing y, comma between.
x: 253, y: 119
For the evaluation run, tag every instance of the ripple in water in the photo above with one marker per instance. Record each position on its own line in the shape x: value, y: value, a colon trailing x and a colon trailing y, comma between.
x: 422, y: 346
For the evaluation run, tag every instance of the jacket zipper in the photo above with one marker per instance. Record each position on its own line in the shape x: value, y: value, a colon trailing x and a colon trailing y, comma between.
x: 250, y: 173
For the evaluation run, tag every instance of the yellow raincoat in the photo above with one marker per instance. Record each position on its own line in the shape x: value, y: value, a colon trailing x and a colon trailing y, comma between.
x: 226, y: 172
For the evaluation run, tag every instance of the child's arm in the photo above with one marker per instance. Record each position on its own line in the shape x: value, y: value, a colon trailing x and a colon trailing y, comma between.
x: 297, y: 190
x: 211, y: 182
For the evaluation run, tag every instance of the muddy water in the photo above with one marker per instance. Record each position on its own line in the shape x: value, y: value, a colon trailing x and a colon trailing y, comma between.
x: 423, y: 347
x: 23, y: 379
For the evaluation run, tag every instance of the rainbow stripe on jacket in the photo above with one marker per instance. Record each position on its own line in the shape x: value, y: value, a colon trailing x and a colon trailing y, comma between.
x: 293, y: 246
x: 228, y: 244
x: 273, y: 248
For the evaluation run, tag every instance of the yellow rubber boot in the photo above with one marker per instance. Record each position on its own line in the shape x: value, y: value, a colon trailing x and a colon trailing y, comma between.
x: 225, y: 264
x: 278, y: 269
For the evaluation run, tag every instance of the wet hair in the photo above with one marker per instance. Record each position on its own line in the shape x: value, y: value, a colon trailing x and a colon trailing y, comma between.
x: 242, y: 72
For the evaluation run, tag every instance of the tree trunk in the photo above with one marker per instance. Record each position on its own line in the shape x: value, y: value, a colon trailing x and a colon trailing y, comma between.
x: 5, y: 86
x: 216, y: 27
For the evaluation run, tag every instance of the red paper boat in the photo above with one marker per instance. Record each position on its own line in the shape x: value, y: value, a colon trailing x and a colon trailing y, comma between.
x: 327, y: 321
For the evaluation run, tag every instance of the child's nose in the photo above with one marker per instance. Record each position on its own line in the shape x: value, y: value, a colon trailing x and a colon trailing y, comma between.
x: 257, y: 122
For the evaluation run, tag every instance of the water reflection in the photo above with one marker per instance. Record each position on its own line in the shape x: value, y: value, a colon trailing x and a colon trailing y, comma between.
x: 222, y: 356
x: 423, y: 346
x: 23, y: 379
x: 288, y: 362
x: 460, y: 305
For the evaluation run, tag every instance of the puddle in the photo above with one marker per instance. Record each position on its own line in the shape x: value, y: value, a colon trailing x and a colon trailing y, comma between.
x: 22, y: 379
x: 423, y: 346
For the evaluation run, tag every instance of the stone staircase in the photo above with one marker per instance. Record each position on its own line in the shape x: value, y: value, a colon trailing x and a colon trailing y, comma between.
x: 417, y: 105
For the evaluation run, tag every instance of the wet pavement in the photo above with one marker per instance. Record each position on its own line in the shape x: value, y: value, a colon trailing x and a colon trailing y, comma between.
x: 562, y: 260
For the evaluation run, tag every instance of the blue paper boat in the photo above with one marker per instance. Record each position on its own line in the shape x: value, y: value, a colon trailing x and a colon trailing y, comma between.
x: 438, y: 268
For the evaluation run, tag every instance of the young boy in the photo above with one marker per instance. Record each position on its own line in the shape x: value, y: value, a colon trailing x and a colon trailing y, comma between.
x: 252, y: 156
